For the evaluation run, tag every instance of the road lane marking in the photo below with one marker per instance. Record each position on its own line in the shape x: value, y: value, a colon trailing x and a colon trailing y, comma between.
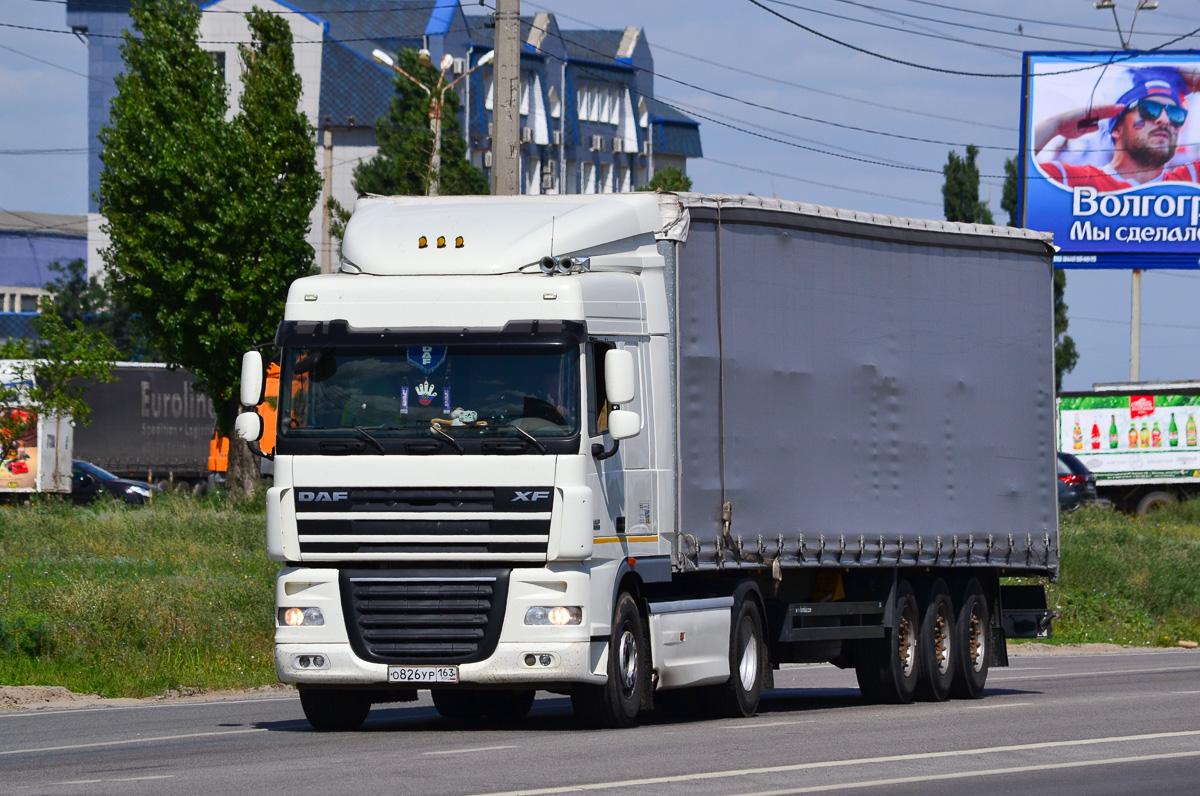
x: 843, y: 763
x: 1007, y: 679
x: 879, y: 783
x: 116, y: 779
x: 997, y: 706
x: 465, y: 751
x: 768, y: 724
x: 128, y: 741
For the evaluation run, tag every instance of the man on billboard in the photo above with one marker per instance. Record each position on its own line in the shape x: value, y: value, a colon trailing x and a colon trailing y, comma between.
x: 1143, y: 125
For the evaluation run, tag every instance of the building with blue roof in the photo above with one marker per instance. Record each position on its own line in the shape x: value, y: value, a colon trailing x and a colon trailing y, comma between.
x: 589, y: 120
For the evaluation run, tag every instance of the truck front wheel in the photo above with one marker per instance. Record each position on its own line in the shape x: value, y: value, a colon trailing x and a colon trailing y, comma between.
x: 617, y: 703
x: 330, y: 709
x: 888, y: 668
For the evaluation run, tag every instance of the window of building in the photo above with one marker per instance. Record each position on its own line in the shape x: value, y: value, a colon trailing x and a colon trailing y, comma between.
x: 606, y: 177
x: 524, y: 98
x: 589, y: 178
x: 555, y: 103
x: 623, y: 184
x: 29, y: 303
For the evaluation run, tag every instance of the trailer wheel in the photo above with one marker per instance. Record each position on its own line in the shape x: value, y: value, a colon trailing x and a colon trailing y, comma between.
x: 936, y: 647
x: 888, y: 668
x: 971, y: 651
x: 739, y: 697
x: 1155, y: 501
x: 616, y: 703
x: 503, y: 705
x: 329, y: 709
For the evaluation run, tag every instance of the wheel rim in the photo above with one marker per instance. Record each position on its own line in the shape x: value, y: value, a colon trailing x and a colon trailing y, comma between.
x: 627, y: 662
x: 907, y: 646
x: 747, y: 655
x: 941, y: 642
x: 977, y: 643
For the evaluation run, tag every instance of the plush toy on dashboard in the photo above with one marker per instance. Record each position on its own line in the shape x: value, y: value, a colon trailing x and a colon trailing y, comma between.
x: 459, y: 417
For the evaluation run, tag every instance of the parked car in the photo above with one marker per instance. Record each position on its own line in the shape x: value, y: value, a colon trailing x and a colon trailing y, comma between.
x: 1076, y: 483
x: 89, y: 482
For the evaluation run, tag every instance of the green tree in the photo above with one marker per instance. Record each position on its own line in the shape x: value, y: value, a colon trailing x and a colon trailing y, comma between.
x: 207, y: 217
x: 960, y: 191
x: 1065, y: 354
x: 48, y: 376
x: 670, y: 178
x: 77, y: 297
x: 405, y: 142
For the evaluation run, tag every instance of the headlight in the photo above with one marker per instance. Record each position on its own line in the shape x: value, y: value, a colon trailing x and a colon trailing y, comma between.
x: 138, y: 490
x: 296, y: 617
x: 554, y: 615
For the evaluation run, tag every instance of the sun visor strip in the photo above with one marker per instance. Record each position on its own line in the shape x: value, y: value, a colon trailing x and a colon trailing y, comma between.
x: 309, y: 334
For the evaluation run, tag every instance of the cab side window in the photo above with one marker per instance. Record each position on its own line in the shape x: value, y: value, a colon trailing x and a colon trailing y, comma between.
x: 598, y: 400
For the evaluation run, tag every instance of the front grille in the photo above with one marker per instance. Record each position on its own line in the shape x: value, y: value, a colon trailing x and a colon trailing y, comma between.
x: 468, y: 523
x: 421, y: 618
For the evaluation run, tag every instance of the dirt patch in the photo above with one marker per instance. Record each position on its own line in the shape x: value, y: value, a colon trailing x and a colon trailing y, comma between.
x: 53, y: 697
x: 1034, y: 649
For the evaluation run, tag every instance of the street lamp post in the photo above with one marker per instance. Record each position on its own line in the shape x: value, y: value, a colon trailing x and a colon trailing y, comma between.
x: 437, y: 100
x: 1135, y: 312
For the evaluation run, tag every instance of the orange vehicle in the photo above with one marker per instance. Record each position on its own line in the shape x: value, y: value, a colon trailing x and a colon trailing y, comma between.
x: 218, y: 446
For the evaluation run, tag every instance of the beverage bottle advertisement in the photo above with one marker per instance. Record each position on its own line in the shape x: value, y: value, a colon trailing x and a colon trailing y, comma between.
x: 1124, y: 437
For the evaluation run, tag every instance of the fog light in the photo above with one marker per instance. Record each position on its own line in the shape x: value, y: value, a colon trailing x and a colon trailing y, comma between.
x: 530, y: 660
x: 544, y: 660
x: 318, y: 661
x: 558, y: 615
x: 310, y: 662
x: 296, y: 617
x: 304, y: 661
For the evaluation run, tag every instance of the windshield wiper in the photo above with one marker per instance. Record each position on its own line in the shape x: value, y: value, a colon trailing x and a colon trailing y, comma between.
x: 536, y: 442
x: 367, y: 436
x: 453, y: 442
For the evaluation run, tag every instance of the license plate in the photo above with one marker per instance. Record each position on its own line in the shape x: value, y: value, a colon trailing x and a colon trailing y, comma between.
x: 422, y: 674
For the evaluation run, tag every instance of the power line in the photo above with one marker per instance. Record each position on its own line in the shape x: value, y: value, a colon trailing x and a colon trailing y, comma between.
x: 958, y: 72
x: 1025, y: 21
x: 50, y: 63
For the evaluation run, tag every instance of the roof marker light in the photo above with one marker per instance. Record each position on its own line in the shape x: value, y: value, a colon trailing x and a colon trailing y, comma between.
x: 458, y: 242
x: 441, y: 241
x: 422, y: 242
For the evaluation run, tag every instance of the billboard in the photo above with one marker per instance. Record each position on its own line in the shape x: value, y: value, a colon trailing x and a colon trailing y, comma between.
x: 1129, y: 437
x: 1110, y: 157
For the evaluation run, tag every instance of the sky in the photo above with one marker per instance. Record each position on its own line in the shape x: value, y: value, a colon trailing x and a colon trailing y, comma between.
x: 776, y: 103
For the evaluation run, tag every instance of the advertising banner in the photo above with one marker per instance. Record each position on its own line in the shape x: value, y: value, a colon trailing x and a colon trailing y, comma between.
x: 1110, y: 157
x: 1131, y: 437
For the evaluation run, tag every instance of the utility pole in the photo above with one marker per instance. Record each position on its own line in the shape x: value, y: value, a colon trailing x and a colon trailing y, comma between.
x: 326, y: 193
x: 506, y: 113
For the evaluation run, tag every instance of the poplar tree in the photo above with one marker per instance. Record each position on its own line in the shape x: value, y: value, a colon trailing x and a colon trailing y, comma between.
x: 207, y: 216
x: 960, y: 192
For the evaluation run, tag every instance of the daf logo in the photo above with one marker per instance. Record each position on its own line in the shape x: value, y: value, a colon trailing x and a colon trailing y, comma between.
x: 322, y: 497
x: 530, y: 497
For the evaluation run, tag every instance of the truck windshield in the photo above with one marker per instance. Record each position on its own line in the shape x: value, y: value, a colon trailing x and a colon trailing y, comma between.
x: 400, y: 392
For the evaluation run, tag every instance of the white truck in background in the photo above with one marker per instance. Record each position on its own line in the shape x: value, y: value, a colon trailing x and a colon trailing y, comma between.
x: 642, y: 449
x: 1138, y: 438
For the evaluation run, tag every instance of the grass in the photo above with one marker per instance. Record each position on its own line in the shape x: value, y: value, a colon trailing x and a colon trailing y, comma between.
x: 1129, y: 581
x: 179, y: 594
x: 135, y: 602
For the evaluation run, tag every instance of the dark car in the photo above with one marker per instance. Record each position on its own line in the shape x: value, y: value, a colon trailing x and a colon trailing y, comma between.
x: 89, y: 482
x: 1076, y: 483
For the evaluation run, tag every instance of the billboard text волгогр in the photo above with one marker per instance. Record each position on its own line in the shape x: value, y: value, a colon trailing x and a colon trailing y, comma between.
x: 1110, y: 156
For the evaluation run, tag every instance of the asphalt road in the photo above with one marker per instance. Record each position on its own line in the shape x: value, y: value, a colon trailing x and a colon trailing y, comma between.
x: 1079, y: 724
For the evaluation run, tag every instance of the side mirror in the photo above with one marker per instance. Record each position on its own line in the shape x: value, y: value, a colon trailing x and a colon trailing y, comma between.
x: 619, y: 378
x: 248, y: 426
x: 624, y: 424
x: 251, y: 393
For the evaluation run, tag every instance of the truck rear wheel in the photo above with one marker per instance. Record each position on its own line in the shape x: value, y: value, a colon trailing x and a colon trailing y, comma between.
x: 617, y: 703
x: 739, y: 697
x: 936, y: 645
x: 1155, y: 501
x: 330, y: 709
x: 971, y: 651
x: 888, y: 668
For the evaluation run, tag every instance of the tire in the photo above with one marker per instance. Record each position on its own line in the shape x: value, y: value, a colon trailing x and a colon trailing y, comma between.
x: 972, y: 630
x: 936, y: 645
x: 738, y: 698
x: 502, y: 705
x: 616, y: 704
x: 888, y: 668
x: 332, y: 710
x: 1154, y: 501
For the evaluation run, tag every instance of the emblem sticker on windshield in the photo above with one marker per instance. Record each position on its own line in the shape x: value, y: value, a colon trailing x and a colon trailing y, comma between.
x: 427, y: 358
x: 426, y: 392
